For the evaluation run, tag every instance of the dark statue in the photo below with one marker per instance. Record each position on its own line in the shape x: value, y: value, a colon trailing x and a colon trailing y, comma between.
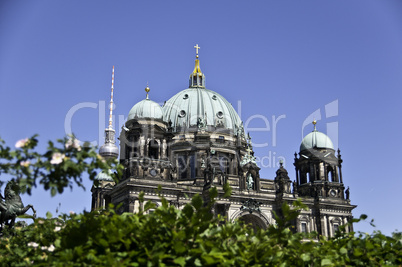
x: 11, y: 205
x: 347, y: 192
x: 294, y: 187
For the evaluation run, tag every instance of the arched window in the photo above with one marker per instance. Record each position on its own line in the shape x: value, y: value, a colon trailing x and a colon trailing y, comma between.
x: 335, y: 223
x: 331, y: 174
x: 304, y: 226
x: 153, y: 149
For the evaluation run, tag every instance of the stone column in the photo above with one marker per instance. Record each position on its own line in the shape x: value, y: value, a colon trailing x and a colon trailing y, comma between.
x: 324, y: 225
x: 340, y: 173
x: 142, y: 146
x: 345, y: 221
x: 164, y: 146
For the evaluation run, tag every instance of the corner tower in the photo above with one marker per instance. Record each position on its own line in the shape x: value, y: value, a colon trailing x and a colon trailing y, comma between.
x: 318, y: 170
x: 319, y: 182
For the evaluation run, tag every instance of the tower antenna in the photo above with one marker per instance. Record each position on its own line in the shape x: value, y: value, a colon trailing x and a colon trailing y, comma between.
x: 111, y: 101
x: 109, y: 149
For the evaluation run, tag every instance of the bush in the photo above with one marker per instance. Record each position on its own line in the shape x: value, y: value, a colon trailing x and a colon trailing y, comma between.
x: 187, y: 237
x: 168, y: 236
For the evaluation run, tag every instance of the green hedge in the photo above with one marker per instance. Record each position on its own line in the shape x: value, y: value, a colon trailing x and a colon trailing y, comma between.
x: 188, y: 237
x: 166, y: 237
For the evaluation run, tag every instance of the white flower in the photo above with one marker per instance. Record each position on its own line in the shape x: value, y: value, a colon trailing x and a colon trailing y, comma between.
x: 33, y: 244
x: 72, y: 212
x: 21, y: 143
x: 57, y: 228
x: 73, y: 143
x: 25, y: 163
x: 57, y: 158
x: 51, y: 248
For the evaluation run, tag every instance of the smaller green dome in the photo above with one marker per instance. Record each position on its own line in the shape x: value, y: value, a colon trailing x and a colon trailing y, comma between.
x: 316, y: 139
x: 105, y: 176
x: 146, y: 109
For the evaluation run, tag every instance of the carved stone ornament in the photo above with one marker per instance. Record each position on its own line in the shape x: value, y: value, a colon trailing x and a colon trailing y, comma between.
x: 202, y: 125
x: 251, y: 205
x: 248, y: 158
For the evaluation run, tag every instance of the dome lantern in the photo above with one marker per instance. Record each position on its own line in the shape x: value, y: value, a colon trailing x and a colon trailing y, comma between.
x: 197, y: 78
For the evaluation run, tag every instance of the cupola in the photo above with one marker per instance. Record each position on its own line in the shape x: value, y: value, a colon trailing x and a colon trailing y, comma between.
x: 146, y: 109
x: 197, y: 78
x: 316, y: 139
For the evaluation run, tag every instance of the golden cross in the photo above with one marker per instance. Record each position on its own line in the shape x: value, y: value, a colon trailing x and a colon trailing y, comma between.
x: 196, y: 49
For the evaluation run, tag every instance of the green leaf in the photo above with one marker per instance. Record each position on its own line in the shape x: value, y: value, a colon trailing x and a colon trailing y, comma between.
x: 188, y: 211
x: 179, y: 247
x: 357, y: 252
x: 227, y: 189
x: 197, y: 201
x: 103, y: 243
x: 213, y: 193
x: 180, y: 261
x: 343, y: 251
x: 325, y: 262
x: 305, y: 257
x: 149, y: 205
x: 53, y: 191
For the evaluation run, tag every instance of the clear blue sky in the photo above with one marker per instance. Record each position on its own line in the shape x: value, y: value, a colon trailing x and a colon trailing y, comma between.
x: 286, y: 59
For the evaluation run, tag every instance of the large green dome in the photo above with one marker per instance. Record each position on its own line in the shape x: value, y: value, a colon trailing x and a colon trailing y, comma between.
x: 186, y: 107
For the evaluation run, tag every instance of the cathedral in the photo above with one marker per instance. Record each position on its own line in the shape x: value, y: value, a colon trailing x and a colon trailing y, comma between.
x: 196, y: 141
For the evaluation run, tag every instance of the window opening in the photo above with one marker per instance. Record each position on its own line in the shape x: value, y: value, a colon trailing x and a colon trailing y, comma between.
x: 304, y: 227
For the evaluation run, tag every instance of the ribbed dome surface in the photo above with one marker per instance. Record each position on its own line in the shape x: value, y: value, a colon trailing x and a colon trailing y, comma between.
x: 184, y: 109
x: 316, y: 139
x: 146, y: 109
